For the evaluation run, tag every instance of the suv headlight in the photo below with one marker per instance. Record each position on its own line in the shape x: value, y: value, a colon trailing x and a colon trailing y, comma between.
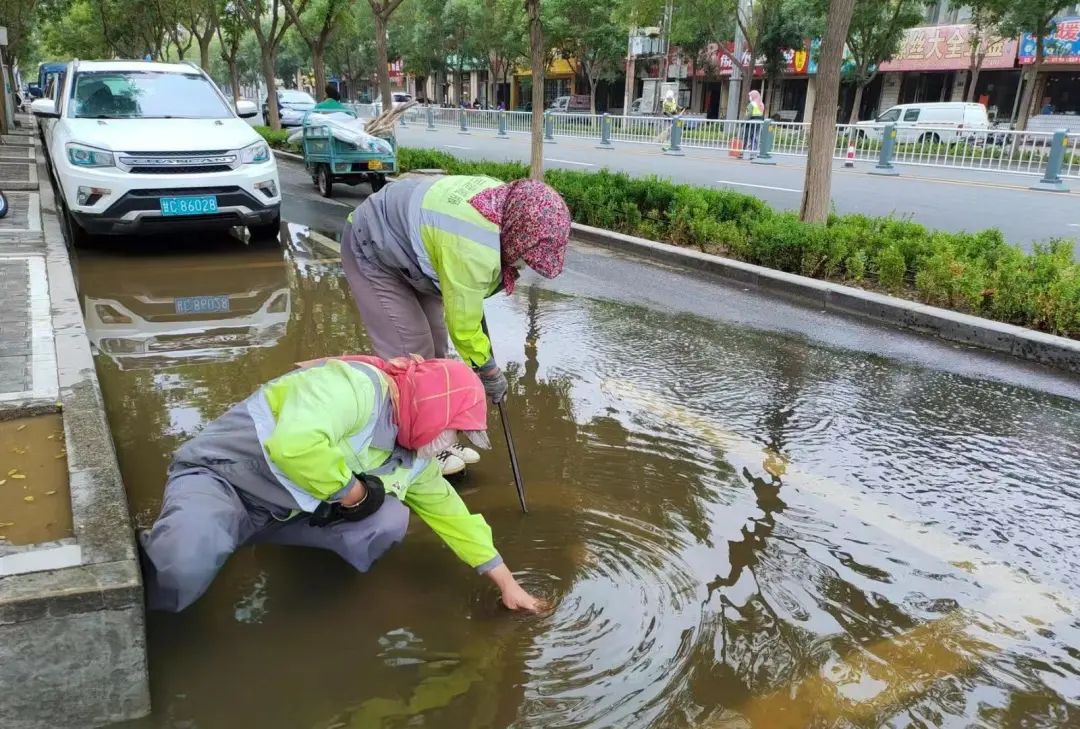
x: 82, y: 156
x: 255, y: 154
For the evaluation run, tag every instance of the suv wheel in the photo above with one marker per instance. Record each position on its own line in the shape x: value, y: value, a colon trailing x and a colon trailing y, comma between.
x: 268, y: 232
x: 325, y: 181
x: 74, y: 232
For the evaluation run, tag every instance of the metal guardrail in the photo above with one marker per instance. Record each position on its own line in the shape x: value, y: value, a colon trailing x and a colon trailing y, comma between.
x: 988, y: 150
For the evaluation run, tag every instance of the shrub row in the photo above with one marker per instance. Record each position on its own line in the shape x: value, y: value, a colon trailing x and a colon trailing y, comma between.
x: 277, y: 139
x: 977, y: 273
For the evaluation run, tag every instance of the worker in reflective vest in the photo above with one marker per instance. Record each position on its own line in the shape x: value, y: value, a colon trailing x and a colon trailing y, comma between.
x: 421, y: 256
x: 334, y: 456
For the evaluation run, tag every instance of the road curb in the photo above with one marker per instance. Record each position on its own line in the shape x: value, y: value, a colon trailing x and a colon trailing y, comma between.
x: 1059, y: 352
x: 76, y: 631
x: 288, y: 156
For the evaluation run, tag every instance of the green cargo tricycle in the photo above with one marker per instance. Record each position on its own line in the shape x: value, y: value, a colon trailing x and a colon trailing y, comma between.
x: 331, y: 160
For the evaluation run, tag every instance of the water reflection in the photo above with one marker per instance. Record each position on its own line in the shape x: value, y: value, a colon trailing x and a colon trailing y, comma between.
x: 737, y: 529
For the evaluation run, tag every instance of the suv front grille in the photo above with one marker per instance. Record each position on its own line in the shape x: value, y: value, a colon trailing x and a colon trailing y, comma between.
x: 179, y: 170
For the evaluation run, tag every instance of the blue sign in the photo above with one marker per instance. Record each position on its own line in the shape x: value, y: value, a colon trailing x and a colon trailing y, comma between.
x: 1063, y: 46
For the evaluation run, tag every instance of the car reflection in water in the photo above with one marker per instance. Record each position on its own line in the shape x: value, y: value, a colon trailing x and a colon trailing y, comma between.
x: 147, y: 311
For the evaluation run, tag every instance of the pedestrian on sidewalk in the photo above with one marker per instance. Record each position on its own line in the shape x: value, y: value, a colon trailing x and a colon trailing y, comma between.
x: 421, y: 255
x: 755, y: 113
x: 334, y: 456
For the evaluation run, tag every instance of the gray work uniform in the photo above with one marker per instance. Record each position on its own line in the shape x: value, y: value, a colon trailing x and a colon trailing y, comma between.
x: 401, y: 307
x: 222, y: 492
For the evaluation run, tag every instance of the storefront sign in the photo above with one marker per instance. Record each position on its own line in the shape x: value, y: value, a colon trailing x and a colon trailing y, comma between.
x: 948, y: 48
x: 796, y: 62
x: 1061, y: 47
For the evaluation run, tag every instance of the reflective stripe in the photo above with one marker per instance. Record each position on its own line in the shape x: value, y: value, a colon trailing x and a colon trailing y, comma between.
x: 444, y: 221
x: 416, y: 241
x: 263, y: 417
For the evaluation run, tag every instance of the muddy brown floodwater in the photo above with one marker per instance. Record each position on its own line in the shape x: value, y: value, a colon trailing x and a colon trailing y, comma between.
x: 738, y: 528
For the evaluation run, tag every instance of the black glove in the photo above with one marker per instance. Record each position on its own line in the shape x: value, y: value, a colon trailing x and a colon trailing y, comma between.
x: 328, y: 513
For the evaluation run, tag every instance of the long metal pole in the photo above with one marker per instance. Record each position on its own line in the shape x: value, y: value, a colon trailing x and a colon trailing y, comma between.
x: 519, y: 483
x: 742, y: 10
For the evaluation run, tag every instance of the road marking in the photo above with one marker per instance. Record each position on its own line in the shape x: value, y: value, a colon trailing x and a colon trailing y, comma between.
x: 455, y: 146
x: 760, y: 187
x: 568, y: 162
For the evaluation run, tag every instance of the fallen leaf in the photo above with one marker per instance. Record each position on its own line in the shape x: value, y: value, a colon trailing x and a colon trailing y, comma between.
x: 28, y: 499
x: 18, y: 475
x: 12, y: 471
x: 21, y: 428
x: 19, y: 451
x: 59, y: 456
x: 51, y: 437
x: 49, y: 493
x: 3, y: 481
x: 6, y: 524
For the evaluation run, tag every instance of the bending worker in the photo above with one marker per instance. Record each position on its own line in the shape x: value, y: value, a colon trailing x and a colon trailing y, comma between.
x: 328, y: 456
x: 421, y: 256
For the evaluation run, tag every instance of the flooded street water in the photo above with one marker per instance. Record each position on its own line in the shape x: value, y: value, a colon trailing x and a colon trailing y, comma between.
x: 739, y: 527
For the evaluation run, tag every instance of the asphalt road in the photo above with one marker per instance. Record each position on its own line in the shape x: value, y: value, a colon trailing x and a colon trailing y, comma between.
x: 944, y: 199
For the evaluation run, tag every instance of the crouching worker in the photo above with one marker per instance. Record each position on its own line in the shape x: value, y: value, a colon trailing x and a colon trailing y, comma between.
x: 327, y: 456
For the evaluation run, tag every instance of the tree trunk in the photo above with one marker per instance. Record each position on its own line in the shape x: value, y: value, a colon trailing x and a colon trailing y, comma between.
x: 1027, y: 99
x: 270, y: 78
x: 318, y: 60
x: 204, y: 51
x: 860, y: 88
x: 592, y: 95
x: 818, y: 180
x: 536, y: 62
x: 234, y: 79
x: 973, y: 81
x: 383, y: 62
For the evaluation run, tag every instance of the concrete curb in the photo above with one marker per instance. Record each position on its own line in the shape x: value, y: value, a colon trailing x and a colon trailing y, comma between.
x: 1027, y: 344
x: 77, y: 632
x: 289, y: 156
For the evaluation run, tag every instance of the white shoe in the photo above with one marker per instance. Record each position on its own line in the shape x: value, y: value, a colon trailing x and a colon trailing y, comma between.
x: 450, y: 463
x: 465, y: 453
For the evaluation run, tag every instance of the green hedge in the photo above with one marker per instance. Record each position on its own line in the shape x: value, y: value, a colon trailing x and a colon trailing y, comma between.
x: 977, y: 273
x: 277, y: 139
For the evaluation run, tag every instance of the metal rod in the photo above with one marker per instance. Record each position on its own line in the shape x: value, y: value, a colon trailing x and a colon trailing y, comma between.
x: 519, y: 484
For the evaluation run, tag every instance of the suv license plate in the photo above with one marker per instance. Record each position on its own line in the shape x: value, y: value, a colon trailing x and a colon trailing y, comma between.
x: 202, y: 304
x: 189, y: 205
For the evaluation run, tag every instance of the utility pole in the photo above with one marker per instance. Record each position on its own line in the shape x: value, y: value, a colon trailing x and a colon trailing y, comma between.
x: 631, y: 81
x: 743, y: 11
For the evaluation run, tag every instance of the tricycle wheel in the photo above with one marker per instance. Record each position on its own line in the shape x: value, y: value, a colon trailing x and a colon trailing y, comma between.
x: 325, y: 181
x: 378, y: 182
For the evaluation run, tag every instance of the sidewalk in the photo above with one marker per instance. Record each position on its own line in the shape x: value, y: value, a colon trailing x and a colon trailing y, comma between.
x: 71, y: 613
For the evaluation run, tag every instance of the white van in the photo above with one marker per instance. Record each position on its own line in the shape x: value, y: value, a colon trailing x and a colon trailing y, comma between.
x: 942, y: 122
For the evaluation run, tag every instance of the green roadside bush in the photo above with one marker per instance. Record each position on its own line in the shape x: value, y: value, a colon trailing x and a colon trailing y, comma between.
x: 277, y: 139
x: 977, y: 273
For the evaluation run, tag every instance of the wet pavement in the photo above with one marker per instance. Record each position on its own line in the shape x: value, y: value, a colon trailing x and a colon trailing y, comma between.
x: 748, y: 514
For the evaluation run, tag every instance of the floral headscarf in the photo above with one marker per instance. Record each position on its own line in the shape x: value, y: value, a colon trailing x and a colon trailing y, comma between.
x: 534, y: 225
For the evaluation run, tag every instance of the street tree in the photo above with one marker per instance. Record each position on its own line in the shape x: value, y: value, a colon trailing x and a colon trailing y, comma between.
x: 381, y: 11
x: 503, y: 37
x: 270, y: 23
x: 201, y: 18
x: 986, y: 20
x: 1035, y: 17
x: 877, y: 29
x: 587, y: 36
x: 73, y: 32
x: 231, y: 30
x: 316, y: 27
x: 817, y: 183
x: 782, y: 27
x: 351, y: 52
x: 538, y: 65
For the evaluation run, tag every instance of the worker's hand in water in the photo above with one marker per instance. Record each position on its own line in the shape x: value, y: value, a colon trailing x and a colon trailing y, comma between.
x: 494, y: 381
x: 514, y: 596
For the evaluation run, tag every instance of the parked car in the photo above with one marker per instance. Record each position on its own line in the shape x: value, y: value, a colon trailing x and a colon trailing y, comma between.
x: 931, y: 123
x: 293, y: 106
x: 571, y: 105
x: 398, y: 98
x: 139, y: 146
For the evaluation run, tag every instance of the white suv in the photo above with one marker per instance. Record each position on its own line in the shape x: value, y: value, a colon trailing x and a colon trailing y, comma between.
x: 141, y: 147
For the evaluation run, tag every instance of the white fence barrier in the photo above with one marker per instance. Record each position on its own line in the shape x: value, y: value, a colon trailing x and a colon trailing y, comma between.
x: 952, y: 147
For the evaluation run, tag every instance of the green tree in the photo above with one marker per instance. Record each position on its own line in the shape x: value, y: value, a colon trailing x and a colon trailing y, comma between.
x: 877, y: 27
x: 987, y: 17
x: 351, y: 52
x: 381, y: 11
x: 201, y: 19
x: 588, y: 37
x: 503, y: 37
x: 1036, y: 17
x: 783, y: 26
x: 231, y: 31
x: 316, y: 27
x: 74, y: 32
x: 270, y: 23
x: 537, y: 66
